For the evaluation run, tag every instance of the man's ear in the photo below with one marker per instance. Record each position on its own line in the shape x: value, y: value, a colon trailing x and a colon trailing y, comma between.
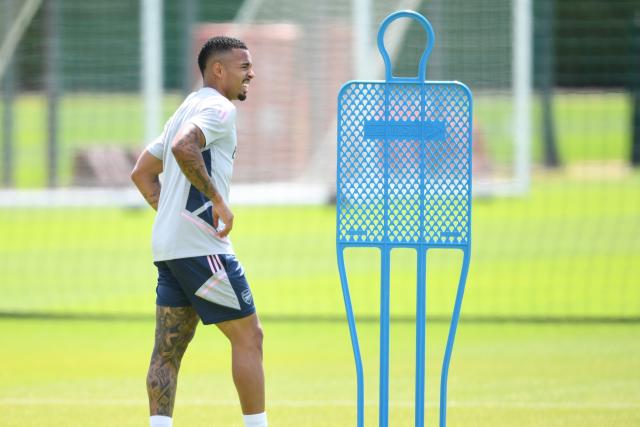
x: 217, y: 69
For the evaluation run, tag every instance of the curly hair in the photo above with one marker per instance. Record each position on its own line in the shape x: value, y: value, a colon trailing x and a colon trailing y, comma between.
x: 217, y: 45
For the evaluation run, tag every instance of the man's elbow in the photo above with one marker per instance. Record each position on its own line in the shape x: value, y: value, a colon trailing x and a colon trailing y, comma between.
x: 141, y: 177
x: 147, y: 169
x: 135, y: 175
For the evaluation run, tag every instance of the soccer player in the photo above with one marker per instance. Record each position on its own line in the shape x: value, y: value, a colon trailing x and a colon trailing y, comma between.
x: 198, y: 275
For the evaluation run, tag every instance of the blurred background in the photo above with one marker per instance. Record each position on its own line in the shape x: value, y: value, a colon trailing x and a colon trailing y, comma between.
x: 549, y: 331
x: 556, y: 84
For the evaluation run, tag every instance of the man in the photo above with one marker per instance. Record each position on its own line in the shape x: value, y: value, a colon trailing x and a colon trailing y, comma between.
x: 198, y: 275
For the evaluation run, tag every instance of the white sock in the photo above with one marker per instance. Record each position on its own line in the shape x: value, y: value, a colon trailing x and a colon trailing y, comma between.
x: 160, y: 421
x: 256, y: 420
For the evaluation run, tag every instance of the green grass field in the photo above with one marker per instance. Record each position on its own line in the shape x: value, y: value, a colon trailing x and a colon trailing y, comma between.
x: 85, y: 373
x: 590, y: 127
x: 568, y: 250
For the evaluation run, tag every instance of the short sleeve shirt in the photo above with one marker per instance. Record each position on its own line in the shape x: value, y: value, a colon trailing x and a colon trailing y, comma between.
x: 184, y: 223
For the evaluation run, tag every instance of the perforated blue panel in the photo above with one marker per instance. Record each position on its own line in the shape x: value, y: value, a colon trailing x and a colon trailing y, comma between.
x: 404, y: 180
x: 404, y: 163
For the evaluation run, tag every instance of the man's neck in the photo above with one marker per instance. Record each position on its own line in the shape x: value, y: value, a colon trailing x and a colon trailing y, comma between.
x: 215, y: 87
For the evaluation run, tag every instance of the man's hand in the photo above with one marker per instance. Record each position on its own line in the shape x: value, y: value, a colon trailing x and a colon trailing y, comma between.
x: 222, y: 211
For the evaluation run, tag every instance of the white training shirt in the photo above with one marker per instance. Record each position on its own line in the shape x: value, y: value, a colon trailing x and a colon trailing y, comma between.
x: 183, y: 225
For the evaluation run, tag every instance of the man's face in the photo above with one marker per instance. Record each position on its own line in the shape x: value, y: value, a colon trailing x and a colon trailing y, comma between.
x: 236, y: 73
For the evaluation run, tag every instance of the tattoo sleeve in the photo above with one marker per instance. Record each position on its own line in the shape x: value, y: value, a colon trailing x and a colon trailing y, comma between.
x: 186, y: 150
x: 175, y: 327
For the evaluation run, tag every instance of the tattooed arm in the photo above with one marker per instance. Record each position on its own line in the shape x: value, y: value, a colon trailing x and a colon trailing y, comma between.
x: 145, y: 177
x: 186, y: 149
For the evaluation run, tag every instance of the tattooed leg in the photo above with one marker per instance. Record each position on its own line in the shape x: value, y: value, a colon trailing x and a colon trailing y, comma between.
x: 175, y: 327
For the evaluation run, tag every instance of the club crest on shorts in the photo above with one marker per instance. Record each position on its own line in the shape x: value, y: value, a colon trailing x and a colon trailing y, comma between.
x: 247, y: 297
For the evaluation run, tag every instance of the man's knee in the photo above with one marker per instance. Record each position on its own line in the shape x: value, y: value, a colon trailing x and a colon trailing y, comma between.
x: 250, y: 338
x: 171, y: 346
x: 175, y: 328
x: 258, y: 337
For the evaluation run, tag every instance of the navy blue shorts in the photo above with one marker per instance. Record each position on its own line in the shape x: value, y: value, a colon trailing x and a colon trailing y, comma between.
x: 214, y: 285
